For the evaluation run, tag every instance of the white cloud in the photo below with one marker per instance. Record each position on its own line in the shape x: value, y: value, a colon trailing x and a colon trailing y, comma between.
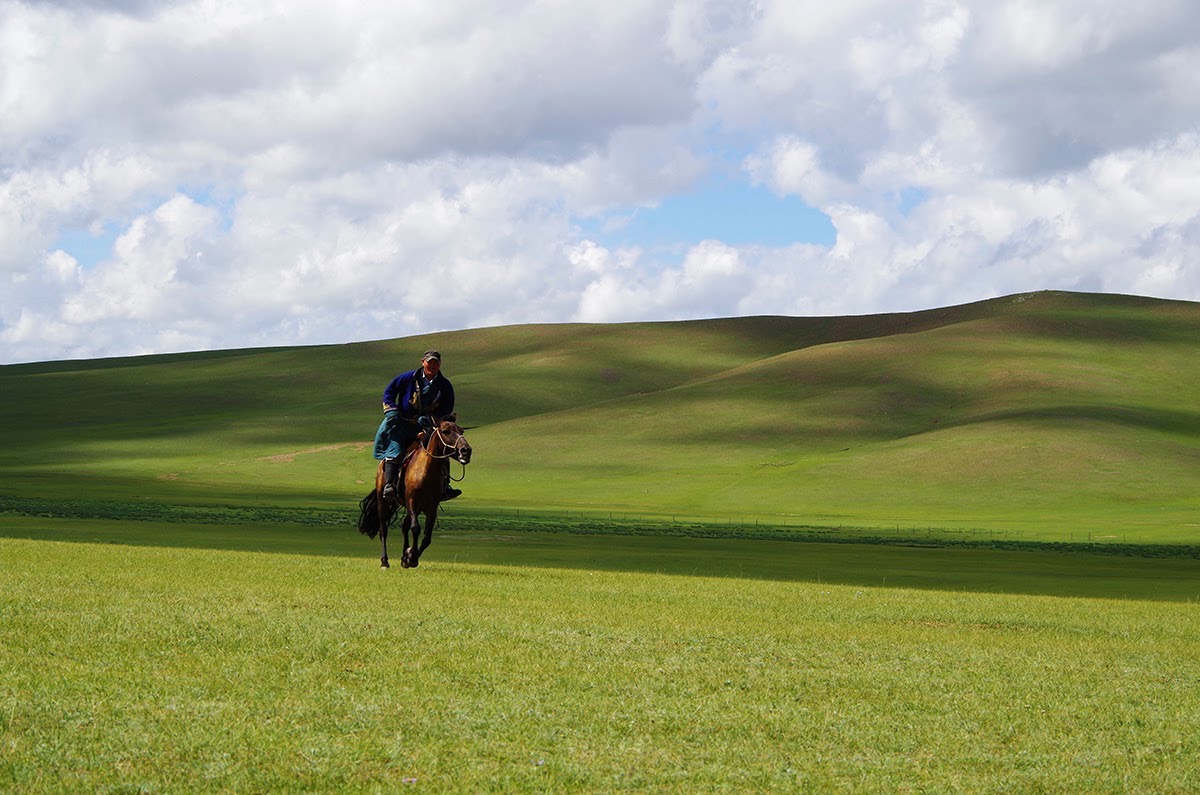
x: 315, y: 173
x: 793, y: 167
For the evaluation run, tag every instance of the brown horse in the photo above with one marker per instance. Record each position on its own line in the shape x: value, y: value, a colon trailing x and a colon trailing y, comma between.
x: 423, y: 478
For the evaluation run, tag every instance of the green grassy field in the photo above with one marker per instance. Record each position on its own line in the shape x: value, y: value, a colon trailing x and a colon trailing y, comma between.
x: 173, y: 669
x: 953, y: 550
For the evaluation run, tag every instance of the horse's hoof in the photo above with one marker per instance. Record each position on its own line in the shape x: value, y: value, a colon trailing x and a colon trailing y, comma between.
x: 383, y: 564
x: 412, y: 564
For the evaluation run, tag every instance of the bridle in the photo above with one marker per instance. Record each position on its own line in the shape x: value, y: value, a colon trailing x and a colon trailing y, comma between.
x: 452, y: 451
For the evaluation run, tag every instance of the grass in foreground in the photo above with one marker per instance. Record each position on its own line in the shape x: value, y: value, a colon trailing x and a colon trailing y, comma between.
x: 141, y: 669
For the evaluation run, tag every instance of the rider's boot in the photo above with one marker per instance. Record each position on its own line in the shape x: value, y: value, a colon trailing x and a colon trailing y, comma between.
x: 390, y: 470
x: 448, y: 493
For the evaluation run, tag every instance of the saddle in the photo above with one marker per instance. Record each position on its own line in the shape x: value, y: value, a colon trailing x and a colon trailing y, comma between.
x: 397, y: 486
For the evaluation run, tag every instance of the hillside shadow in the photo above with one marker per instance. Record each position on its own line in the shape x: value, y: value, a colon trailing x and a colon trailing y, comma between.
x: 969, y: 570
x: 1109, y: 328
x: 862, y: 565
x: 1186, y: 423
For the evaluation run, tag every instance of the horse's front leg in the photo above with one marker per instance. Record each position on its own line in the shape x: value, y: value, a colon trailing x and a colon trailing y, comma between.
x: 410, y: 518
x: 427, y: 536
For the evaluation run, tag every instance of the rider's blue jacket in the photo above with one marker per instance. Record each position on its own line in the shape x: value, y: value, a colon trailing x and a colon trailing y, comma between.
x: 414, y: 394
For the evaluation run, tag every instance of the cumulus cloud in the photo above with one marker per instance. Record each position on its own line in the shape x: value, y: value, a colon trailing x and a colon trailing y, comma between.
x: 708, y: 281
x: 263, y: 175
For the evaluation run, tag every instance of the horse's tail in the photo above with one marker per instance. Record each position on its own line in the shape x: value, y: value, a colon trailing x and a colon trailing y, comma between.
x: 368, y: 515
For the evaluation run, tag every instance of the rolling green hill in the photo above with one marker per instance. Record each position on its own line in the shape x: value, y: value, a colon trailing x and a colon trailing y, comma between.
x: 1047, y: 415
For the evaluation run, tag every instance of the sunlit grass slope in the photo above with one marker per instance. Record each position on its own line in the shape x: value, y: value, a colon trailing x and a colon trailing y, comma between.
x: 1080, y: 412
x: 1045, y: 414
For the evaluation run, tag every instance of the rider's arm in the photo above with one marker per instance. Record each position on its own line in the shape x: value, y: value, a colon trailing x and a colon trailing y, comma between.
x: 394, y: 393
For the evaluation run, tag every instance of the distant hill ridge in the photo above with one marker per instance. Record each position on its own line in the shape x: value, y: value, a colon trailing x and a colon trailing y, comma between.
x: 1036, y: 410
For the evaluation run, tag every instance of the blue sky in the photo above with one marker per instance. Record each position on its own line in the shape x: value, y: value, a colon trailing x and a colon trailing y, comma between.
x: 88, y: 246
x: 735, y: 213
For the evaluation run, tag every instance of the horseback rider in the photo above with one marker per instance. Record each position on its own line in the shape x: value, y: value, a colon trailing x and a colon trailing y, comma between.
x: 413, y: 402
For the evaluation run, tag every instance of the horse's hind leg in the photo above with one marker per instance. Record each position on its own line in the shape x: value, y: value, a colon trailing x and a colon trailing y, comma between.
x: 382, y: 516
x: 382, y: 507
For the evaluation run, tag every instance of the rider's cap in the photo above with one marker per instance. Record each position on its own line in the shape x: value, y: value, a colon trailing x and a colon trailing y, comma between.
x: 431, y: 355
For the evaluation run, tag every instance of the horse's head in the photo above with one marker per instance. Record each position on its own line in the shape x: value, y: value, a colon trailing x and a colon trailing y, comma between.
x: 454, y: 439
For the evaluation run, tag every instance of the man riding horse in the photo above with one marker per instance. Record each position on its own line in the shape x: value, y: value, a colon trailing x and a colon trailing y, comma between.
x: 413, y: 402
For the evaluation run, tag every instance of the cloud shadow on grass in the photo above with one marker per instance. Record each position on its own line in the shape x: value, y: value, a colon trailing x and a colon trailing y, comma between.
x: 977, y: 569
